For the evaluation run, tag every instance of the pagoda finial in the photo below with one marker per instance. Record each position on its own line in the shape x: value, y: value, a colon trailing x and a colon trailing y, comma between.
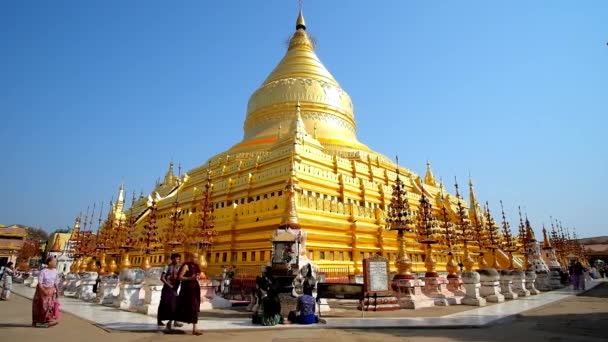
x: 121, y: 199
x: 529, y: 231
x: 169, y: 176
x: 429, y: 178
x: 300, y: 22
x: 474, y: 205
x: 546, y: 242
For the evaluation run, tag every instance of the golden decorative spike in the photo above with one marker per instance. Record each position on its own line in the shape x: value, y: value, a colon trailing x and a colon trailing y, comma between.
x: 399, y: 218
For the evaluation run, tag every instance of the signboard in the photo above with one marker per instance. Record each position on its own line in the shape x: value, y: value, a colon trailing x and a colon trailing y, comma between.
x: 376, y: 275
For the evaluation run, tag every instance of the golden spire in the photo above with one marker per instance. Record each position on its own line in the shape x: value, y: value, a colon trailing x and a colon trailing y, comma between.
x: 546, y: 242
x: 300, y: 22
x: 474, y: 206
x: 429, y: 178
x: 290, y: 215
x: 529, y: 231
x: 117, y: 208
x: 169, y: 176
x: 76, y: 228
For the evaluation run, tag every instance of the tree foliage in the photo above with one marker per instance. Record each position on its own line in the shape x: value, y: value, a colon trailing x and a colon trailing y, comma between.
x: 37, y: 234
x: 30, y: 249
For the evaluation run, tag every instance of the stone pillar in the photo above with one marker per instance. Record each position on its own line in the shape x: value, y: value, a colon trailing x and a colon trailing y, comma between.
x: 107, y: 290
x: 472, y: 285
x: 490, y: 286
x: 506, y: 282
x: 530, y: 280
x: 409, y: 294
x: 518, y: 285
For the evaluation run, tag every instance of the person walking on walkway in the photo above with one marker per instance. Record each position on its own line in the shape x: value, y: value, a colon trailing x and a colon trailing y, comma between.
x: 45, y: 306
x: 189, y: 298
x: 168, y: 298
x: 7, y: 281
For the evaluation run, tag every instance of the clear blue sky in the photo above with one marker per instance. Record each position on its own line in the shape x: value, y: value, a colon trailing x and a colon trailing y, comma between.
x: 93, y: 93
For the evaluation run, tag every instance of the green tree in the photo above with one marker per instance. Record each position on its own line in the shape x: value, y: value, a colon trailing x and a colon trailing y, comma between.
x: 37, y: 234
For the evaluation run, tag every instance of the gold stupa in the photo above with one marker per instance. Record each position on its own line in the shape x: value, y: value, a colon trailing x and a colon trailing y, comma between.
x: 300, y: 124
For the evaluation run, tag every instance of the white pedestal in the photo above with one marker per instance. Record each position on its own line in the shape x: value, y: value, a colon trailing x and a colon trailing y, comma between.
x: 519, y: 284
x: 555, y: 280
x: 436, y: 289
x: 490, y: 286
x: 151, y: 294
x: 453, y: 289
x: 28, y: 281
x: 471, y: 284
x: 542, y: 282
x: 107, y: 291
x: 409, y: 294
x: 506, y: 281
x: 129, y: 296
x: 530, y: 280
x: 86, y: 290
x: 71, y: 289
x: 209, y: 300
x: 33, y: 283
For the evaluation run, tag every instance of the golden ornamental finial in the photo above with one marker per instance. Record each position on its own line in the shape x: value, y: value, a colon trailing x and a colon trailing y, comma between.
x: 300, y: 23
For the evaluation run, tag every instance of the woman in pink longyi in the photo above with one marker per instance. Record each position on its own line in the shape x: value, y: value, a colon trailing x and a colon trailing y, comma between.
x: 45, y: 306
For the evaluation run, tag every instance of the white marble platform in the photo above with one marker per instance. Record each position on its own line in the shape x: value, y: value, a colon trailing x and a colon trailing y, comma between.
x: 113, y: 319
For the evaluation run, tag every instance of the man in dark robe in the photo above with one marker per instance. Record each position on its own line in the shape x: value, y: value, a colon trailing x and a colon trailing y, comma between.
x: 168, y: 299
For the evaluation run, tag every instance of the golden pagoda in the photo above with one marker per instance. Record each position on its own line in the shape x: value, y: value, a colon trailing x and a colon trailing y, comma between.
x: 300, y: 123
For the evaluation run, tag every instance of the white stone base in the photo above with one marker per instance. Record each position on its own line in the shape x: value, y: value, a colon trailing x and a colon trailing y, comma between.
x: 107, y: 291
x: 519, y: 284
x: 151, y: 300
x: 85, y: 291
x: 209, y: 300
x: 542, y: 282
x: 33, y: 283
x: 506, y: 283
x: 471, y: 284
x: 555, y: 280
x: 71, y: 285
x: 530, y: 280
x: 409, y: 294
x: 454, y: 289
x: 434, y: 288
x: 128, y: 299
x: 490, y: 286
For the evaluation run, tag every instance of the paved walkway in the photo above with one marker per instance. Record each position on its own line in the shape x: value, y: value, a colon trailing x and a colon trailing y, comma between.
x: 112, y: 319
x: 582, y: 318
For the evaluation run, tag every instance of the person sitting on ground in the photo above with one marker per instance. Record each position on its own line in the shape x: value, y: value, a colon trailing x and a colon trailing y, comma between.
x: 305, y: 307
x: 271, y: 305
